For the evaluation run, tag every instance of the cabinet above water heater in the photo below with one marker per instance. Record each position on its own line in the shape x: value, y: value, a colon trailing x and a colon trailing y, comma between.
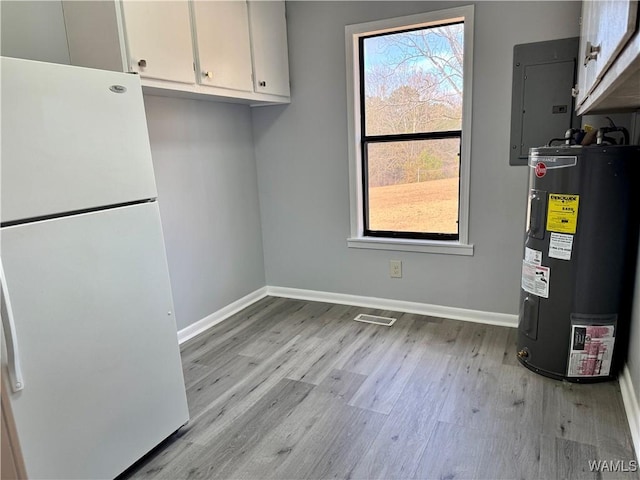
x: 609, y: 66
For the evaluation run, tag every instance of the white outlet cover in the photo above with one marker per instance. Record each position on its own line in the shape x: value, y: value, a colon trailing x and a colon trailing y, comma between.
x: 395, y: 268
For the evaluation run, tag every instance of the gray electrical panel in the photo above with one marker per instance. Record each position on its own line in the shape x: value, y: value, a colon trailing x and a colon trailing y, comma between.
x: 542, y: 106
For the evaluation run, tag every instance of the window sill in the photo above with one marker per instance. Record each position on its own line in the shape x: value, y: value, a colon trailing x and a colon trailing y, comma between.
x: 407, y: 245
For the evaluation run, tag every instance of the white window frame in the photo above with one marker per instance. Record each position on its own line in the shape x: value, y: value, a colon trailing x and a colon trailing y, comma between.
x: 352, y: 36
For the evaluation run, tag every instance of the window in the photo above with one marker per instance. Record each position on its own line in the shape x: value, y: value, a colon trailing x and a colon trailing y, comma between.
x: 409, y: 90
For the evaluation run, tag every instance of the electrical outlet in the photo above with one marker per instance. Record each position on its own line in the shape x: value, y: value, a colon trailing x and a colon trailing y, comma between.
x: 395, y: 269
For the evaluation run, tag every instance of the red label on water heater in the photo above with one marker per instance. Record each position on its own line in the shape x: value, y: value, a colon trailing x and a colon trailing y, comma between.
x: 541, y: 169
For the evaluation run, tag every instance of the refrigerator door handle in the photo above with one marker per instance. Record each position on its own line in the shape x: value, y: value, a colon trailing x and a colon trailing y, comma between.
x: 9, y: 328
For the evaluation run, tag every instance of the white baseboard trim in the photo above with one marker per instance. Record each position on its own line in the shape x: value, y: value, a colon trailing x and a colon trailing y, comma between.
x: 220, y: 315
x: 478, y: 316
x: 631, y: 406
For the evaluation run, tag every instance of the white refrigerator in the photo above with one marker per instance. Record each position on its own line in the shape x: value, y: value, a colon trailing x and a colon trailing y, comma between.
x: 89, y: 336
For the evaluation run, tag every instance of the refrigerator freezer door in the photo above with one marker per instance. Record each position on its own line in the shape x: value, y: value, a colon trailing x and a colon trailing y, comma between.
x: 72, y: 139
x: 100, y: 359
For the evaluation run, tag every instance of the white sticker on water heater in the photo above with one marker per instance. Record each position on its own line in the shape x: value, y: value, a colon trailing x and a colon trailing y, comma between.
x: 532, y: 256
x: 535, y: 279
x: 560, y: 246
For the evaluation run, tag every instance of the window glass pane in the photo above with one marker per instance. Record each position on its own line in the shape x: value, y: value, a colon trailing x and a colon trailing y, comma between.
x: 413, y: 81
x: 413, y: 186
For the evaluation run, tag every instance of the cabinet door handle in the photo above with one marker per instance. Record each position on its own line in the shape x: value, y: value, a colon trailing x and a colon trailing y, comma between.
x: 591, y: 53
x: 142, y: 63
x: 9, y: 327
x: 208, y: 74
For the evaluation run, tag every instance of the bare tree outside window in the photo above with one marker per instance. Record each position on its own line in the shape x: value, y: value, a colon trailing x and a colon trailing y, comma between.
x: 411, y: 91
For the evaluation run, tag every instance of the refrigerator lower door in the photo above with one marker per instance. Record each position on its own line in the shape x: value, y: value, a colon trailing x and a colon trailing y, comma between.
x: 93, y: 316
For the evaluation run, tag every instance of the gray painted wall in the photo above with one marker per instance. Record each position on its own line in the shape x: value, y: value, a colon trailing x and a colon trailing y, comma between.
x: 33, y: 30
x: 208, y: 194
x: 303, y: 165
x: 633, y: 360
x: 205, y: 171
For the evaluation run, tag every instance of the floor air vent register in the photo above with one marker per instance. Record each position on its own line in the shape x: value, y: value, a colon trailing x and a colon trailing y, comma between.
x: 375, y: 319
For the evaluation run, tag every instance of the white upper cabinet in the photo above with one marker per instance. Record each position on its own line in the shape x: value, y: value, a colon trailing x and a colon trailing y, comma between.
x: 217, y: 50
x: 269, y: 40
x: 158, y: 40
x: 223, y: 44
x: 609, y: 56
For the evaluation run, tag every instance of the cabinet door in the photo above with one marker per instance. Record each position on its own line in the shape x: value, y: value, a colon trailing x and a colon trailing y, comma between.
x: 158, y: 38
x: 269, y: 45
x: 222, y: 39
x: 606, y: 27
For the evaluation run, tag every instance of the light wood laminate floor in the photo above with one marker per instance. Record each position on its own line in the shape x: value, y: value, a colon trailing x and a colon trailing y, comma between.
x: 290, y: 389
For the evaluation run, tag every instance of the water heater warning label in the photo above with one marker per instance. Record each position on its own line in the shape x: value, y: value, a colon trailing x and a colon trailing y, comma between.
x: 535, y: 279
x: 591, y: 350
x: 562, y: 214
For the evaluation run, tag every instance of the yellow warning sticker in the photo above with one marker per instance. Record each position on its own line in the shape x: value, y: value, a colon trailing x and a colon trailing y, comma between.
x: 562, y: 215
